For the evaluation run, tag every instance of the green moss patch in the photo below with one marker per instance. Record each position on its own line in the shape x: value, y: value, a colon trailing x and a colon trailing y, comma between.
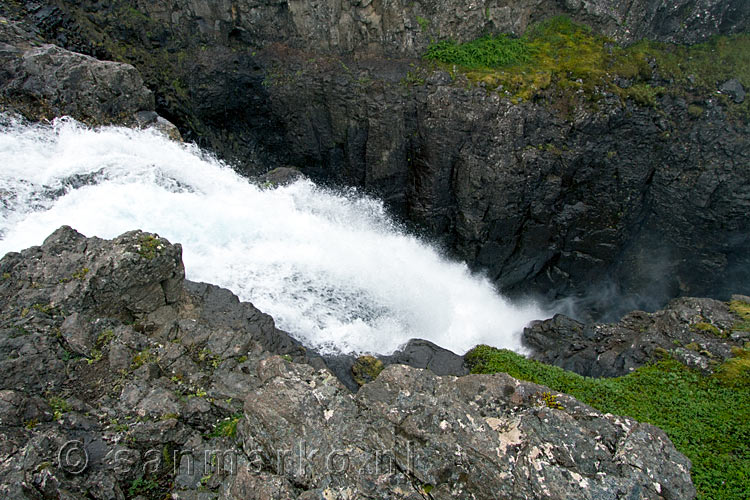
x: 568, y: 57
x: 708, y: 328
x: 706, y: 417
x: 742, y: 310
x: 366, y: 369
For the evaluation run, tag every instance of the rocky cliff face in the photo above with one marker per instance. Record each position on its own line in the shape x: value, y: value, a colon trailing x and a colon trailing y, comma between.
x: 43, y: 81
x: 46, y: 81
x: 123, y: 380
x: 626, y: 203
x: 405, y: 28
x: 624, y: 200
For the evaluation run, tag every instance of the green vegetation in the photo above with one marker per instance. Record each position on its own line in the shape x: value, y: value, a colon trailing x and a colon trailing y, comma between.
x: 59, y: 406
x: 208, y: 357
x: 485, y: 52
x: 145, y: 487
x: 44, y: 308
x: 706, y: 417
x: 424, y: 24
x: 226, y: 428
x: 708, y: 328
x: 142, y: 358
x: 95, y: 356
x: 81, y: 273
x: 117, y: 426
x: 366, y: 369
x: 550, y: 401
x: 149, y: 246
x: 569, y: 58
x: 200, y: 392
x: 735, y: 372
x: 105, y: 337
x: 741, y: 309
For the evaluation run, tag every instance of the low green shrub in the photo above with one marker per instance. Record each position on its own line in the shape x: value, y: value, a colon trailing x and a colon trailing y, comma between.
x: 485, y: 52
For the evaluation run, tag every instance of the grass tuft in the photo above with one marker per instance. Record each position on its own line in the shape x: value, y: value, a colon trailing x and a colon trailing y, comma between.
x: 742, y: 310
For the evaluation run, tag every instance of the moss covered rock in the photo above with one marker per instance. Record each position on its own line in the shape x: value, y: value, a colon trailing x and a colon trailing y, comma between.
x: 366, y: 369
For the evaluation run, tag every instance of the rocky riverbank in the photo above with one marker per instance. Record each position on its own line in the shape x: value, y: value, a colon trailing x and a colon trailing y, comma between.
x: 123, y: 380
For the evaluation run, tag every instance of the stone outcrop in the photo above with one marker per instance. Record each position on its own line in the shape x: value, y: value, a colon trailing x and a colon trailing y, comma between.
x: 411, y: 434
x: 124, y: 380
x: 42, y: 81
x: 47, y: 81
x: 700, y: 333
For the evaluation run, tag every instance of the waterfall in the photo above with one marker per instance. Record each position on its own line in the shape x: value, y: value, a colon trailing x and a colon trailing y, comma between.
x: 332, y: 268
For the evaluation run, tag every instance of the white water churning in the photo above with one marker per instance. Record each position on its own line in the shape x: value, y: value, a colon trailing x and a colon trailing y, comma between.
x: 331, y: 268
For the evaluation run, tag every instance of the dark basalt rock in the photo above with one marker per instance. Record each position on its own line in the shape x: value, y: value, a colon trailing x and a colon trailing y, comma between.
x: 50, y: 81
x: 168, y: 388
x: 280, y: 176
x: 734, y: 89
x: 43, y: 81
x: 420, y: 353
x: 695, y: 331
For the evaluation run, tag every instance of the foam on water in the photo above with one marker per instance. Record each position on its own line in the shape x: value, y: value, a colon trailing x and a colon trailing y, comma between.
x: 331, y: 268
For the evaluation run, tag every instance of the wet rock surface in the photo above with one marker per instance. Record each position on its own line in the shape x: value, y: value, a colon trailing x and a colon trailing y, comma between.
x: 169, y: 387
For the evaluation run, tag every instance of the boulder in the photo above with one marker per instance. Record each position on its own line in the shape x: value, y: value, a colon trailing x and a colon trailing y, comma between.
x: 733, y: 88
x: 410, y: 433
x: 44, y: 81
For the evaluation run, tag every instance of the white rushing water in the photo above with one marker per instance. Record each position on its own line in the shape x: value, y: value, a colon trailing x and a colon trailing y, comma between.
x: 331, y: 268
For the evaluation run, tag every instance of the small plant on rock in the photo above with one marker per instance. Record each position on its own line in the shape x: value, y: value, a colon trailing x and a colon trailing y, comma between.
x: 145, y: 487
x: 550, y: 401
x: 59, y: 406
x: 149, y: 246
x: 226, y: 428
x: 81, y: 273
